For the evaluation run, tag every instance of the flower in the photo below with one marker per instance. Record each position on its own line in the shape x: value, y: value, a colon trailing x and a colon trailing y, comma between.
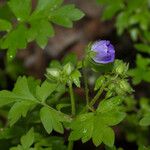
x: 105, y: 52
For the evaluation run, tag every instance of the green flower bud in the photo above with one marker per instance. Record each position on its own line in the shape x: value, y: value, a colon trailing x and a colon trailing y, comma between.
x: 120, y: 67
x: 54, y: 72
x: 68, y: 68
x: 125, y: 86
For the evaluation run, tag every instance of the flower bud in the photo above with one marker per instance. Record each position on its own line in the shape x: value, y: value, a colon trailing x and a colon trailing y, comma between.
x: 125, y: 86
x: 120, y: 67
x: 54, y: 72
x: 68, y: 68
x: 105, y: 52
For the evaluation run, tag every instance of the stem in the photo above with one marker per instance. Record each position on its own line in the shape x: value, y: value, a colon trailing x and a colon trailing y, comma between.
x: 73, y: 111
x: 70, y: 145
x: 93, y: 101
x: 85, y: 84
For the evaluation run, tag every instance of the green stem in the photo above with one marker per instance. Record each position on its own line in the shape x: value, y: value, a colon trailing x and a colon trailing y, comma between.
x: 93, y: 101
x: 70, y: 145
x: 85, y: 84
x: 73, y: 111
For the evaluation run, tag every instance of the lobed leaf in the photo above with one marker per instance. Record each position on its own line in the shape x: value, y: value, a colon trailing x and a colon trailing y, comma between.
x: 28, y: 139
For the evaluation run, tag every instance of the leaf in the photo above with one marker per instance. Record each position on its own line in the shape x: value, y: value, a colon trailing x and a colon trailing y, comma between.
x: 145, y: 121
x: 28, y: 139
x: 32, y: 85
x: 75, y: 76
x: 40, y: 31
x: 5, y: 25
x: 19, y: 109
x: 109, y: 105
x: 70, y: 58
x: 82, y: 127
x: 52, y: 119
x: 96, y: 126
x: 22, y: 89
x: 71, y: 14
x: 142, y: 48
x: 99, y: 82
x: 45, y: 90
x: 112, y: 9
x: 112, y: 118
x: 108, y: 136
x: 101, y: 133
x: 21, y: 92
x: 142, y: 70
x: 10, y: 132
x: 20, y: 9
x: 122, y: 22
x: 19, y: 147
x: 14, y: 40
x: 44, y: 8
x: 7, y: 97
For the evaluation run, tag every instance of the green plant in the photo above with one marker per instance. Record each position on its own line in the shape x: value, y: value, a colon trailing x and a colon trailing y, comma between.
x: 21, y: 24
x: 32, y: 103
x: 133, y: 17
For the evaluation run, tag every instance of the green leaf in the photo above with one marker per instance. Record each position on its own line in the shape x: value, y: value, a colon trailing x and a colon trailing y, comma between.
x: 99, y: 82
x: 96, y: 126
x: 142, y: 48
x: 75, y: 77
x: 32, y: 85
x: 44, y: 8
x: 40, y: 31
x: 142, y: 70
x: 102, y: 133
x: 22, y: 90
x: 145, y: 121
x: 51, y: 120
x: 45, y: 90
x: 6, y: 13
x: 71, y: 14
x: 5, y: 25
x: 14, y: 40
x: 122, y: 22
x: 70, y: 58
x: 20, y: 9
x: 7, y: 97
x: 47, y: 4
x: 112, y: 9
x: 134, y: 34
x: 28, y: 139
x: 19, y: 109
x: 109, y: 105
x: 19, y: 147
x: 10, y: 132
x: 112, y: 118
x: 108, y: 136
x: 82, y: 127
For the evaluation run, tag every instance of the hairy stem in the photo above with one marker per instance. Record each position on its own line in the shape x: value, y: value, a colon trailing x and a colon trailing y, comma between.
x: 85, y: 84
x: 73, y: 111
x: 93, y: 101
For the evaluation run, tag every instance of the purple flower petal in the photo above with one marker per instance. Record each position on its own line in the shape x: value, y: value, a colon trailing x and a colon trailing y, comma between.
x: 105, y: 52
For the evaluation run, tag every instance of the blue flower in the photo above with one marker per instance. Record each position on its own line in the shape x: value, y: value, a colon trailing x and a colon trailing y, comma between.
x: 105, y: 52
